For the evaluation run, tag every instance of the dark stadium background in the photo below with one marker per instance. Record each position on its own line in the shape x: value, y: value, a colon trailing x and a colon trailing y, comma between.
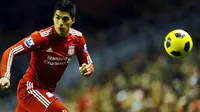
x: 125, y: 39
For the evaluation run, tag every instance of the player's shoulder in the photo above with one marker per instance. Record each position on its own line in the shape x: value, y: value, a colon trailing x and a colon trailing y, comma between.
x: 43, y: 32
x: 46, y: 31
x: 77, y: 36
x: 75, y: 32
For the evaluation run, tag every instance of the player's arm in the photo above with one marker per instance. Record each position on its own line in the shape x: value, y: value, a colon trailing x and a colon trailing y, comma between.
x: 86, y: 66
x: 25, y: 45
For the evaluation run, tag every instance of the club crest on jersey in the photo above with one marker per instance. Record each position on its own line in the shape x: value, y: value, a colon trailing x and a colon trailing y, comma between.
x: 29, y: 42
x: 71, y: 50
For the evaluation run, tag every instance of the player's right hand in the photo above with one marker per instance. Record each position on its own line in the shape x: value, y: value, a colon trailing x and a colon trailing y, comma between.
x: 85, y: 69
x: 4, y: 83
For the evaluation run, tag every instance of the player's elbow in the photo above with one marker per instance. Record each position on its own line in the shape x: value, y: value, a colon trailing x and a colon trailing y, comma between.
x: 7, y: 51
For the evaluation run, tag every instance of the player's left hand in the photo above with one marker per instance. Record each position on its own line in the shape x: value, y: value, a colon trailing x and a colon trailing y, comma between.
x: 4, y: 83
x: 85, y: 69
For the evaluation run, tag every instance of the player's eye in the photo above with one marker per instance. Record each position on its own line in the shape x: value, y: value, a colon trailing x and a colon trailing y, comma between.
x: 65, y: 18
x: 57, y: 17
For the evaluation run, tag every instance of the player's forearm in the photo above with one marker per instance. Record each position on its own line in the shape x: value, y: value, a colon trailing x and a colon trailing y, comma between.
x: 6, y: 63
x: 7, y: 59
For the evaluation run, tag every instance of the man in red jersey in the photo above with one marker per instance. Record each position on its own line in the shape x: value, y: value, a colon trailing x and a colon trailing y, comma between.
x: 51, y: 49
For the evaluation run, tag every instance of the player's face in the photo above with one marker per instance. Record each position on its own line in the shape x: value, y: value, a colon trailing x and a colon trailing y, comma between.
x: 62, y: 22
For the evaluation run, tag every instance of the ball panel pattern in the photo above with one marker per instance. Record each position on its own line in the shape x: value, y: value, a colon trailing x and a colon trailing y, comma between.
x: 179, y: 35
x: 187, y: 46
x: 168, y: 42
x: 176, y: 53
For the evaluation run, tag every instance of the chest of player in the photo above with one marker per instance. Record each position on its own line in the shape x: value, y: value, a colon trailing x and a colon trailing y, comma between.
x: 62, y: 49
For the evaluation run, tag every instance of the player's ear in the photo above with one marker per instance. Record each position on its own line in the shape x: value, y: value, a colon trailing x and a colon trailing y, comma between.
x: 73, y: 20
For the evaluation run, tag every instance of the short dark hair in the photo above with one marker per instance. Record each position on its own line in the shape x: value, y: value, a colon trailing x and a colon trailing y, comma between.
x: 66, y: 6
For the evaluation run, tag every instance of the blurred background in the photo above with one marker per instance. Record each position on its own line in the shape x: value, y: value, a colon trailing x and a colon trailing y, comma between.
x: 125, y: 38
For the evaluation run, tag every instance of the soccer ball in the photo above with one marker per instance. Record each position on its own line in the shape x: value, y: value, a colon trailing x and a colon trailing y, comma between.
x: 178, y: 43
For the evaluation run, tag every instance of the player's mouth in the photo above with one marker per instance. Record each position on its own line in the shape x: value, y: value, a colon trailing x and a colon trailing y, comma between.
x: 61, y: 29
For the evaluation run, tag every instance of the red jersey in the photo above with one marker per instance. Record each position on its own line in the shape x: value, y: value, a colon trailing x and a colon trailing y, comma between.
x: 50, y: 55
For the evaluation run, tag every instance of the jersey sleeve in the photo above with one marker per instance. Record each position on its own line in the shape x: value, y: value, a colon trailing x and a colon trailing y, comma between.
x: 83, y: 54
x: 25, y: 45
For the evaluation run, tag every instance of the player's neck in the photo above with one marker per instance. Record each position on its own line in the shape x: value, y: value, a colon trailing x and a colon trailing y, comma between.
x: 63, y: 36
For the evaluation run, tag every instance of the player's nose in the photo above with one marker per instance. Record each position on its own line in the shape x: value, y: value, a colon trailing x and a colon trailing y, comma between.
x: 60, y: 23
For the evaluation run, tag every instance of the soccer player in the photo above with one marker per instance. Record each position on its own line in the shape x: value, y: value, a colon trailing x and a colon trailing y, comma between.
x: 51, y: 49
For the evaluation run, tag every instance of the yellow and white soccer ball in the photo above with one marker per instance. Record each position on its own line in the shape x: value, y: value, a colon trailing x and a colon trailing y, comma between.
x: 178, y: 43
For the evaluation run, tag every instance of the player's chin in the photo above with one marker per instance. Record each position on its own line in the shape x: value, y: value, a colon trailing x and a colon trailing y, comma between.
x: 61, y: 33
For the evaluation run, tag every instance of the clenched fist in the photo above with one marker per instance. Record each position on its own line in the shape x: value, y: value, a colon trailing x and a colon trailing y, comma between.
x: 86, y: 69
x: 4, y: 83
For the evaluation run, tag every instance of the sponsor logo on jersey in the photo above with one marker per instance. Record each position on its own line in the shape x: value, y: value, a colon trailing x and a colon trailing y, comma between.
x: 29, y: 42
x: 85, y: 48
x: 56, y: 61
x: 71, y: 50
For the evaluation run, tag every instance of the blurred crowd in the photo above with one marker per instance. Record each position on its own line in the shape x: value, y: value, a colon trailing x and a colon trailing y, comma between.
x: 142, y: 84
x: 149, y: 81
